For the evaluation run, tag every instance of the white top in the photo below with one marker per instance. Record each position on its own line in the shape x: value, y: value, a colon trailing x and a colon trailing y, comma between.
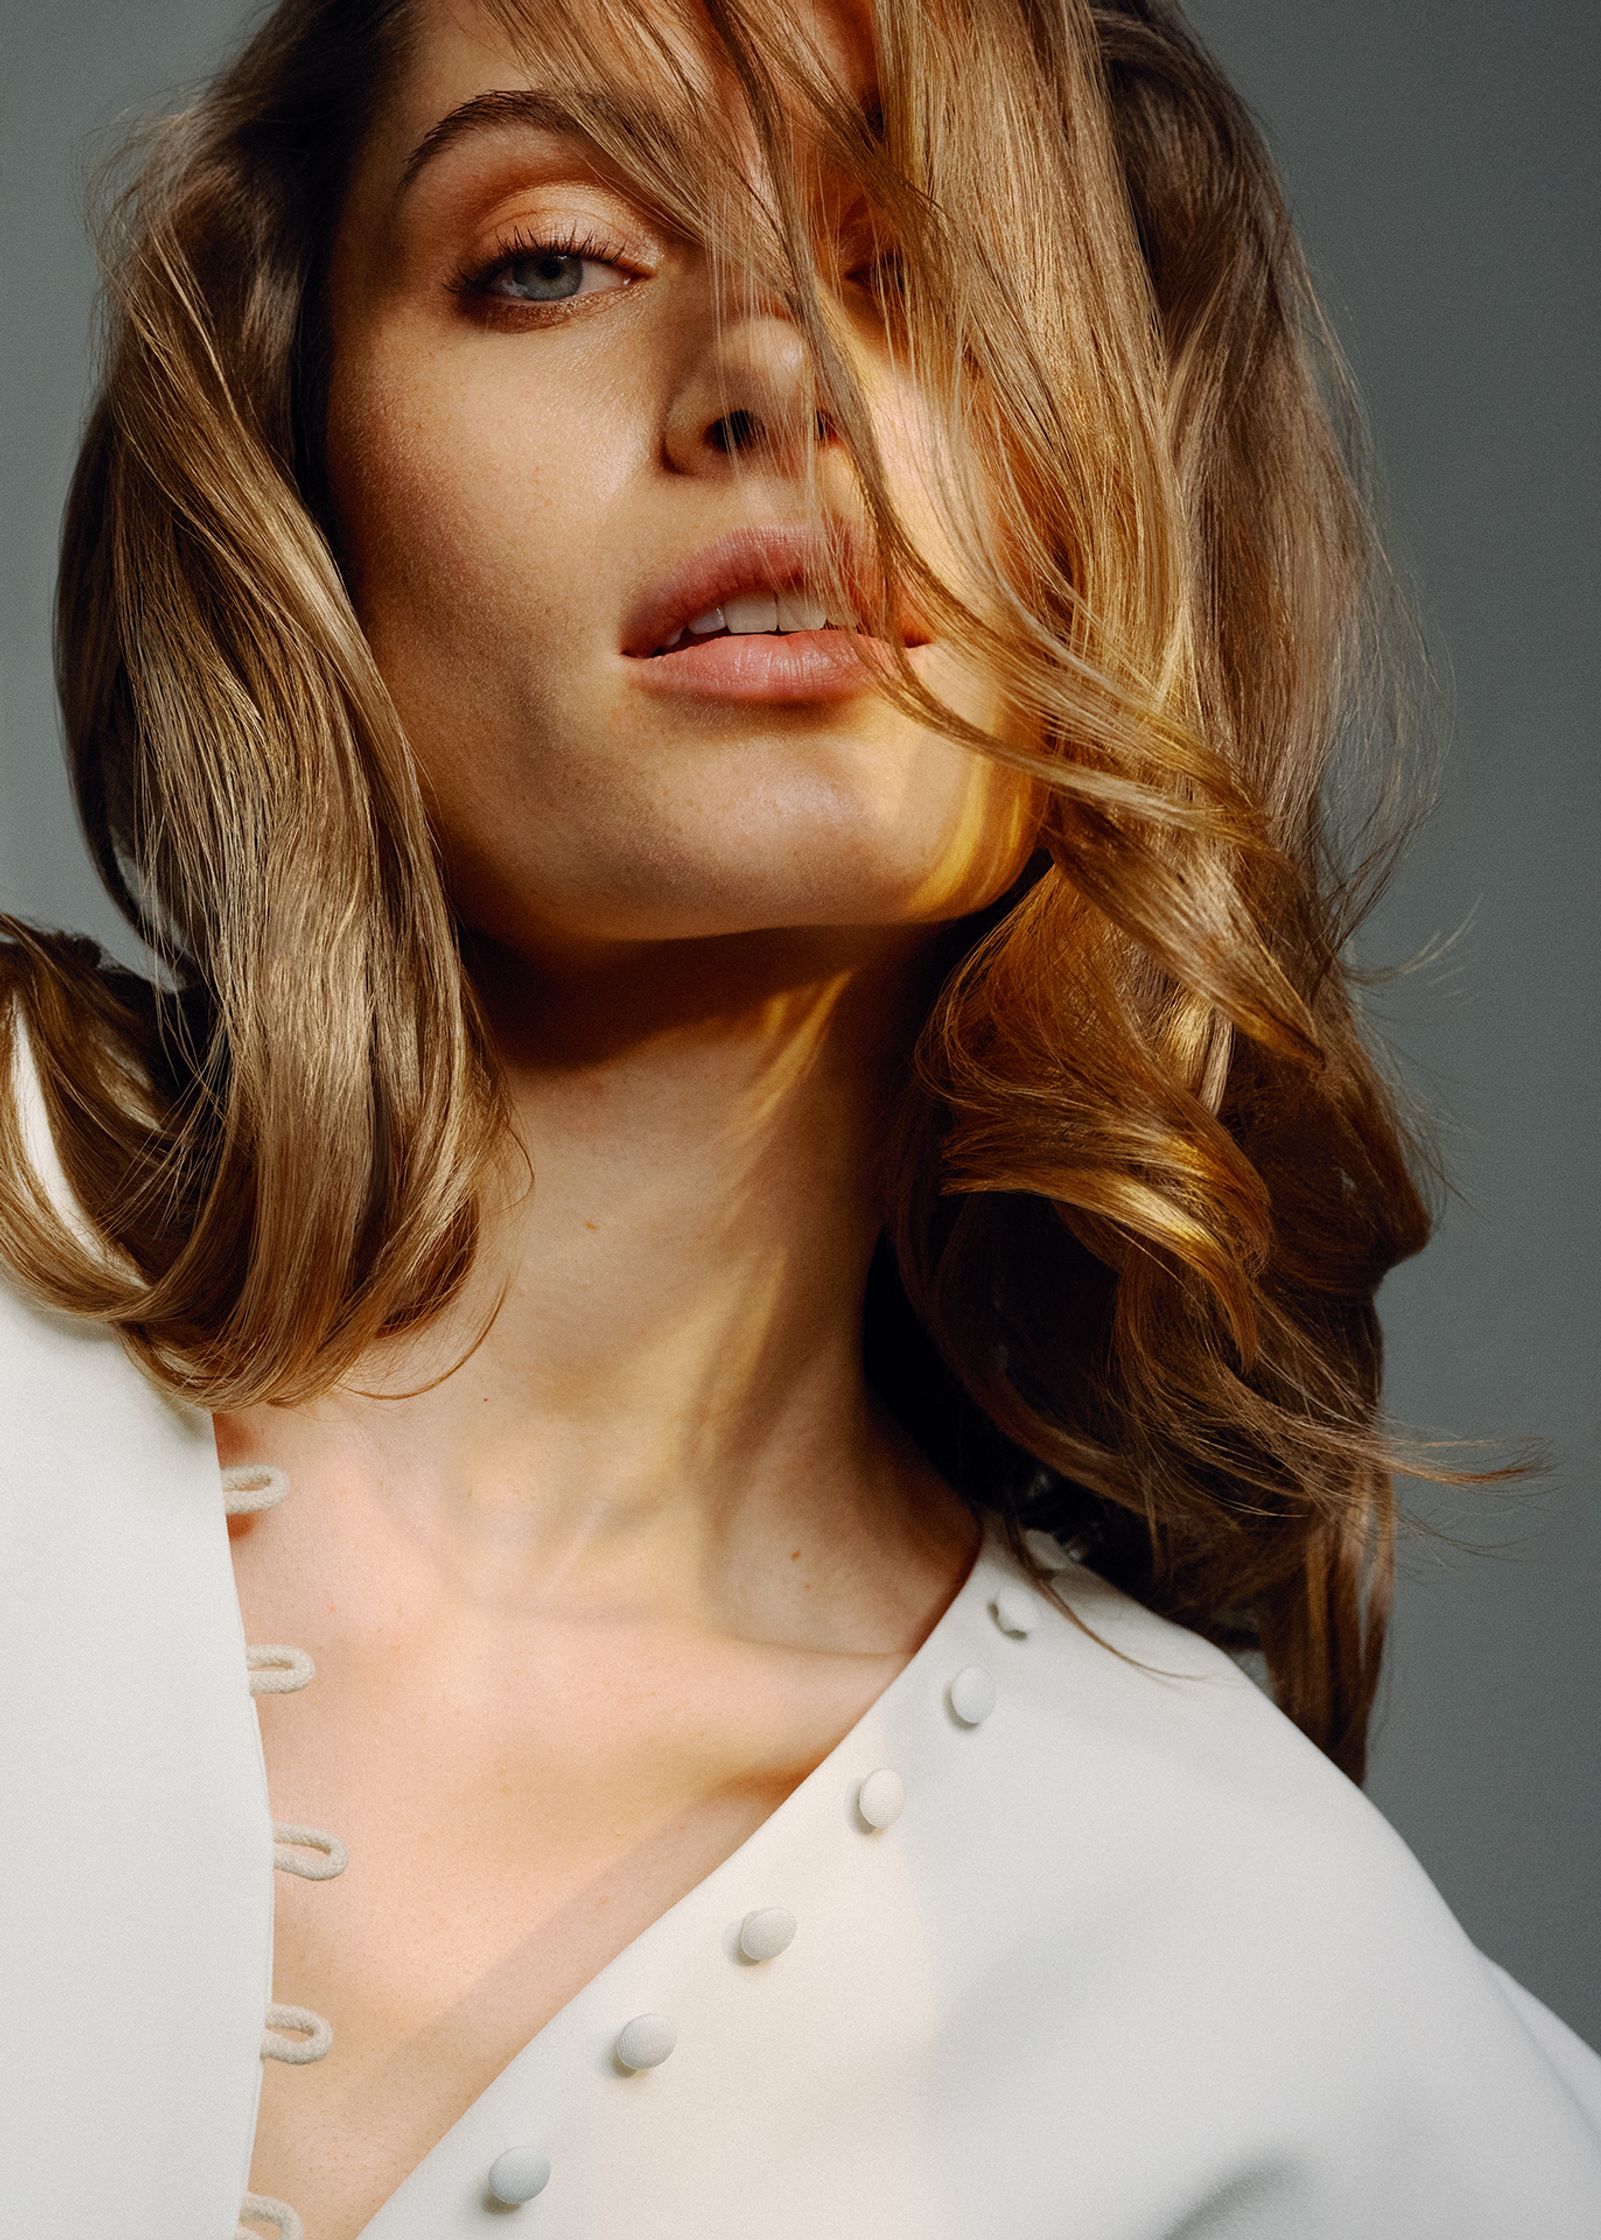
x: 1047, y: 1945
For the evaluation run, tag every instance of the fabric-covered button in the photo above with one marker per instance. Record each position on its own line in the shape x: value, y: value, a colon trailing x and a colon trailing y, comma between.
x: 250, y: 1486
x: 1015, y: 1610
x: 649, y: 2038
x: 766, y: 1932
x: 880, y: 1797
x: 265, y: 2208
x: 331, y: 1856
x: 972, y: 1694
x: 1047, y: 1551
x: 518, y: 2174
x: 281, y: 2016
x: 277, y: 1668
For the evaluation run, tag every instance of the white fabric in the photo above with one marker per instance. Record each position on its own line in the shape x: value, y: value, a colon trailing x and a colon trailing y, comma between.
x: 1133, y: 1962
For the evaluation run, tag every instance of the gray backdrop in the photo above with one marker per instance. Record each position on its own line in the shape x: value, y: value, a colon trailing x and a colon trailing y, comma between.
x: 1441, y: 159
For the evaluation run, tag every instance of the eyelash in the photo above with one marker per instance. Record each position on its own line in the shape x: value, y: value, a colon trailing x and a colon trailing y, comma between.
x: 518, y: 248
x: 475, y: 282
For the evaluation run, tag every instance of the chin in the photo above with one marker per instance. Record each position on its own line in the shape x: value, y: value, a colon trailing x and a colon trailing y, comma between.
x: 717, y: 907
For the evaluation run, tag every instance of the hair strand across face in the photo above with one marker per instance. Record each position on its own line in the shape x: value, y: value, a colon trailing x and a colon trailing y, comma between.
x: 1149, y: 1169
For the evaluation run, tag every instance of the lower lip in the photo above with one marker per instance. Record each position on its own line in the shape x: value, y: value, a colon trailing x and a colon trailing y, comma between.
x: 799, y: 665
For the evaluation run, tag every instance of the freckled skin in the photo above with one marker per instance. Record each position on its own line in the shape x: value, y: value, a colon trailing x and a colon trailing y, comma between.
x: 471, y: 463
x: 588, y: 1603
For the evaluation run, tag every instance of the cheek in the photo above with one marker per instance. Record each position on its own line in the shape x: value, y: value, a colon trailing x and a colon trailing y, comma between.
x: 463, y: 496
x: 454, y: 501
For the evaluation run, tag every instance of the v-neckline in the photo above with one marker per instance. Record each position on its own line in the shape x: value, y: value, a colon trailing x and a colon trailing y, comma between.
x: 786, y: 1813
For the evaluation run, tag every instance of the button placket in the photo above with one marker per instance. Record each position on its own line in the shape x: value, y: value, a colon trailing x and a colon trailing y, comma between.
x: 521, y: 2172
x: 316, y: 1854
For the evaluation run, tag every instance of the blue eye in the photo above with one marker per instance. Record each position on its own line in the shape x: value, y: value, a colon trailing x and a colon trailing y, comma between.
x: 546, y: 271
x: 541, y: 270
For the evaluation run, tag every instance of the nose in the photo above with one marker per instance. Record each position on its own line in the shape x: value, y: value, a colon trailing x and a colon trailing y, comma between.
x: 750, y: 399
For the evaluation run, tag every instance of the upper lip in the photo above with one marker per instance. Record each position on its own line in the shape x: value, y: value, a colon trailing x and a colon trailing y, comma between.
x: 780, y: 557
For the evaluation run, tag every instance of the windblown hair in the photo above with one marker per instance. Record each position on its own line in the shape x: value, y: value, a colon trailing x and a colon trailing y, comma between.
x: 1148, y: 1171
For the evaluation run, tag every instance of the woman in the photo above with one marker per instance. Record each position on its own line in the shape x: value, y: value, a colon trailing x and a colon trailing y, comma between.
x: 663, y: 1182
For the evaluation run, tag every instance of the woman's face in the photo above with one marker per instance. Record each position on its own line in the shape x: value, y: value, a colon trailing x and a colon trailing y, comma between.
x: 510, y: 483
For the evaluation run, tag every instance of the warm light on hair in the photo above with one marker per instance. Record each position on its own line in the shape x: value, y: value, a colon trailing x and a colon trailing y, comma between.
x: 1149, y: 1171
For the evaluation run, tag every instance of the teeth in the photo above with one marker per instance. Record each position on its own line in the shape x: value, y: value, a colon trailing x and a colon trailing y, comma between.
x: 755, y: 613
x: 798, y: 613
x: 750, y: 612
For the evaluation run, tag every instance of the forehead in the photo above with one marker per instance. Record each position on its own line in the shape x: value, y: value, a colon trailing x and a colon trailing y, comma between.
x: 461, y: 53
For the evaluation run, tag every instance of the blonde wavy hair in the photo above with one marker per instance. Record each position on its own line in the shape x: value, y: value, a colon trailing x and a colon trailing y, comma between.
x: 1147, y: 1173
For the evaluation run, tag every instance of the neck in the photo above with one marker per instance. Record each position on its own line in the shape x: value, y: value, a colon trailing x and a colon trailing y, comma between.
x: 670, y: 1399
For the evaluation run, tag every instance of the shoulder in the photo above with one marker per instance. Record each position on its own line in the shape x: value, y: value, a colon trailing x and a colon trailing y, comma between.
x: 67, y: 1069
x: 1216, y: 1814
x: 68, y: 1386
x: 1218, y: 1825
x: 1241, y: 1912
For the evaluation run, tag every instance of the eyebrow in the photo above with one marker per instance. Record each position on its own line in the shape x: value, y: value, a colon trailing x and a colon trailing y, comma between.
x: 534, y: 109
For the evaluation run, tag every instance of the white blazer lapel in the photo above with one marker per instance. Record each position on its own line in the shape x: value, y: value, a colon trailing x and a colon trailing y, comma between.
x: 137, y: 1902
